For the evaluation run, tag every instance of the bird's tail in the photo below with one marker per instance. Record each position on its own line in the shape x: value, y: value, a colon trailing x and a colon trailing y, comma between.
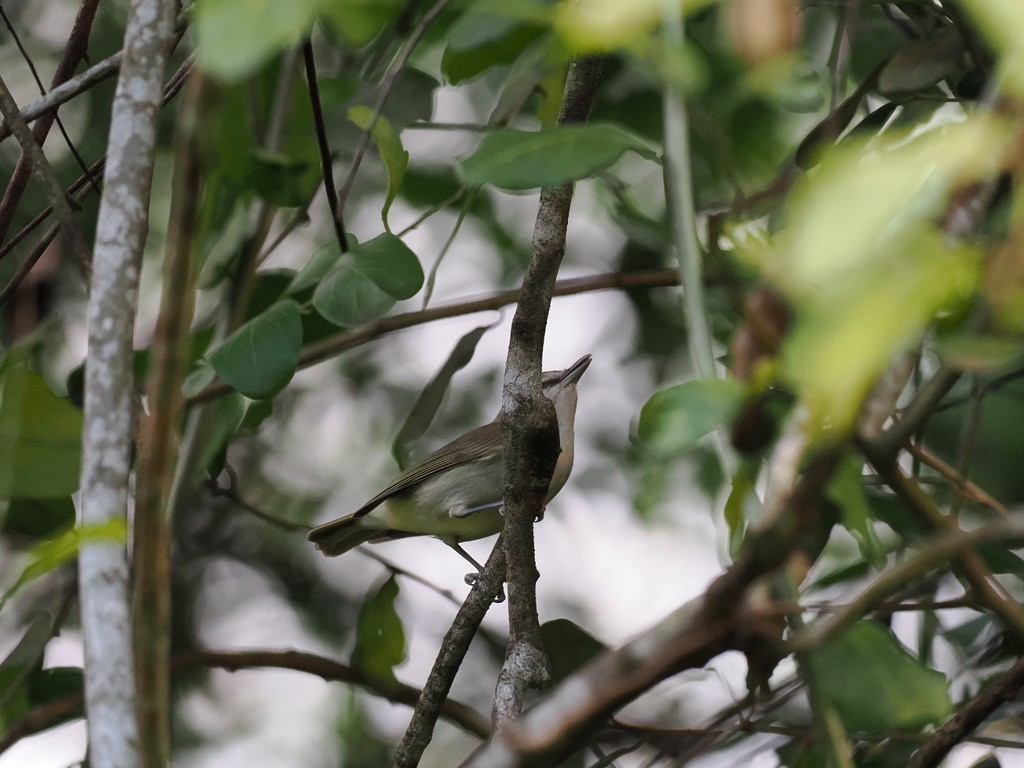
x: 339, y: 536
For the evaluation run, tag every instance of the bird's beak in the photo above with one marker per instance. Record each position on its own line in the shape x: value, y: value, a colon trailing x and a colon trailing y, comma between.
x: 573, y: 373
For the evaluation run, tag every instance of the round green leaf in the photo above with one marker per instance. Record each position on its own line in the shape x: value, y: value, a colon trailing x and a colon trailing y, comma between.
x: 673, y: 420
x: 259, y: 359
x: 348, y: 298
x: 390, y: 264
x: 519, y: 160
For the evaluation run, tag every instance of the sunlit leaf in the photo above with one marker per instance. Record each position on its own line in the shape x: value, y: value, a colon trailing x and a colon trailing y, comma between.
x: 590, y: 26
x: 259, y: 359
x: 519, y: 160
x: 864, y: 263
x: 380, y: 637
x: 867, y: 664
x: 389, y: 144
x: 52, y: 553
x: 673, y: 420
x: 40, y: 437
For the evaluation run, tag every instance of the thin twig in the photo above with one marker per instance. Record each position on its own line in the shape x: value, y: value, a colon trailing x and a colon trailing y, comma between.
x: 328, y: 348
x: 387, y: 83
x: 326, y: 162
x: 964, y: 486
x: 41, y: 167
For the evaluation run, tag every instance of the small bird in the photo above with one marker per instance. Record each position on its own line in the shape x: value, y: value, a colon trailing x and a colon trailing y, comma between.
x: 455, y: 493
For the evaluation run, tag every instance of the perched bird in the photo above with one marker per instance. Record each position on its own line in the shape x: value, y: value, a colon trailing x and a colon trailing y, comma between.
x: 455, y: 493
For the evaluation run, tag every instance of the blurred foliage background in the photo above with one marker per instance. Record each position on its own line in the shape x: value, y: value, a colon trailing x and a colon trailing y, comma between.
x: 854, y: 167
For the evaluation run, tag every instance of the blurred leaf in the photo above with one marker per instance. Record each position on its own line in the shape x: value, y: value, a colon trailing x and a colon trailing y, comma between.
x: 234, y: 37
x: 568, y: 647
x: 846, y: 489
x: 410, y: 99
x: 389, y: 144
x: 979, y: 354
x: 592, y: 26
x: 380, y: 638
x: 37, y: 518
x: 867, y: 664
x: 673, y: 420
x: 741, y: 495
x: 523, y: 80
x: 224, y: 419
x: 52, y: 553
x: 259, y: 359
x: 888, y: 270
x: 924, y: 62
x: 361, y: 20
x: 40, y: 437
x: 1001, y: 21
x: 422, y: 415
x: 480, y: 40
x: 519, y: 160
x: 280, y: 178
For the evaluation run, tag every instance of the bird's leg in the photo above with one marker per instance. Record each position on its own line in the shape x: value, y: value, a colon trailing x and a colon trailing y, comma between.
x: 471, y: 578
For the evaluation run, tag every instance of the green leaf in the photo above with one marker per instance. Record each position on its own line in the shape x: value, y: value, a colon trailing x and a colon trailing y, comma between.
x: 234, y: 37
x: 464, y: 61
x: 423, y: 412
x: 37, y: 518
x: 519, y: 160
x: 1000, y: 21
x: 318, y: 265
x: 389, y: 144
x: 52, y: 553
x: 875, y: 685
x: 568, y: 647
x: 742, y: 498
x: 259, y: 359
x: 348, y: 298
x: 390, y: 264
x: 362, y: 20
x: 673, y: 420
x: 380, y: 638
x: 889, y: 270
x: 846, y: 489
x: 40, y: 437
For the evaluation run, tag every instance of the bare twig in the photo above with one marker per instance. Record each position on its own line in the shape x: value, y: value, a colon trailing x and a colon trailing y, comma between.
x: 74, y: 52
x: 387, y: 83
x: 41, y: 167
x: 528, y: 425
x: 453, y: 650
x: 964, y: 486
x: 328, y: 348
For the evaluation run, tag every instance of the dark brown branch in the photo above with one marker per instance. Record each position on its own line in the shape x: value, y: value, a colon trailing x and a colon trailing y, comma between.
x: 530, y: 438
x: 59, y: 710
x: 328, y: 348
x: 453, y: 650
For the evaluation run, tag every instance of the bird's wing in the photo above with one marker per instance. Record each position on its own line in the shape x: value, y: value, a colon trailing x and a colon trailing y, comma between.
x: 480, y: 444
